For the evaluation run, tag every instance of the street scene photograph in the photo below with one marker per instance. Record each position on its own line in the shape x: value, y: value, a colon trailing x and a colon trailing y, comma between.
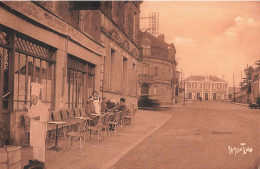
x: 130, y: 84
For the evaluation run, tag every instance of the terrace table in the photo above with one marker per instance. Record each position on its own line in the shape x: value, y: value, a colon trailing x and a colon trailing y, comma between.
x: 57, y: 123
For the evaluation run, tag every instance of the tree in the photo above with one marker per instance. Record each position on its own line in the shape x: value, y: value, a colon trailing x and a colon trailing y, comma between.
x: 247, y: 81
x: 258, y: 64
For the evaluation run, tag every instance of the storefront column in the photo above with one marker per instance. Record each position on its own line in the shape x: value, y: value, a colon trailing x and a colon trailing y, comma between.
x: 61, y: 80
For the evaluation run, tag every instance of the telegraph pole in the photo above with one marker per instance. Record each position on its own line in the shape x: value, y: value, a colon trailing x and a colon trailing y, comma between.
x: 241, y: 89
x: 234, y: 88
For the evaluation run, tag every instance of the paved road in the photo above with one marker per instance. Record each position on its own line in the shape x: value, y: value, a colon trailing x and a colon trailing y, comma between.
x: 198, y: 136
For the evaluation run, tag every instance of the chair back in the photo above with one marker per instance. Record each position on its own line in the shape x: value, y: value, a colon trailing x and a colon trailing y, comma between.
x: 77, y: 112
x: 82, y: 126
x: 71, y: 113
x: 50, y: 116
x: 56, y: 115
x: 117, y: 116
x: 123, y: 114
x: 109, y: 118
x: 127, y: 112
x: 64, y: 114
x: 26, y: 123
x: 83, y: 112
x: 101, y: 120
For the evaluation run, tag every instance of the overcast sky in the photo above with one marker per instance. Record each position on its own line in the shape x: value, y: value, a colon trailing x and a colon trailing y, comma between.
x: 211, y: 38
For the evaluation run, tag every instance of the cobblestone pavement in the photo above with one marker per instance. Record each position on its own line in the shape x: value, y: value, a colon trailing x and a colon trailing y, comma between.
x: 201, y: 135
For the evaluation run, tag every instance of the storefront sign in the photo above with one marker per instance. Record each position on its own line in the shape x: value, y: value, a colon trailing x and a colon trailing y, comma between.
x: 6, y: 63
x: 38, y: 14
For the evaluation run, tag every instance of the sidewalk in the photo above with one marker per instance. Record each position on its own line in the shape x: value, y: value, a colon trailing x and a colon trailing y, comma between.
x: 108, y: 152
x: 241, y: 104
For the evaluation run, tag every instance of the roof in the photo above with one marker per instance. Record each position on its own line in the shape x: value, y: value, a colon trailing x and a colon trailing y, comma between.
x: 155, y: 42
x: 202, y: 78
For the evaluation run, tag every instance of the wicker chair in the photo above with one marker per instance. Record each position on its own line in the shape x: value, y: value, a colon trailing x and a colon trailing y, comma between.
x: 107, y: 125
x: 73, y: 121
x: 130, y: 117
x: 79, y: 135
x: 65, y: 127
x: 98, y: 128
x: 26, y: 126
x: 51, y: 127
x: 115, y: 122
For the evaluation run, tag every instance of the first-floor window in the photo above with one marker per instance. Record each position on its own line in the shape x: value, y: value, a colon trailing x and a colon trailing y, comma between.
x: 80, y: 80
x: 32, y: 63
x: 75, y: 88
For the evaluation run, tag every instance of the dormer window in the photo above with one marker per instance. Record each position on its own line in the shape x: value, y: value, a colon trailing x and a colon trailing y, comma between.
x: 146, y: 45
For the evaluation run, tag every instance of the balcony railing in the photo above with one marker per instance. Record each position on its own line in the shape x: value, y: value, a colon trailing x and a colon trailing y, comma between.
x: 146, y: 78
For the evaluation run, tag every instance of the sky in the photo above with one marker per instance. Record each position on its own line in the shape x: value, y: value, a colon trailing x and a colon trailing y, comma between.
x: 211, y: 38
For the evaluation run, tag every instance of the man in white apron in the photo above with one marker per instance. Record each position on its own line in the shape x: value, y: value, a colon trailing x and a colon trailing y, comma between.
x: 39, y: 115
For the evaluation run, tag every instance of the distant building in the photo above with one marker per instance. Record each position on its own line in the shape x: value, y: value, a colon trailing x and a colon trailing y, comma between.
x: 231, y: 93
x: 255, y: 85
x: 206, y: 87
x: 157, y: 75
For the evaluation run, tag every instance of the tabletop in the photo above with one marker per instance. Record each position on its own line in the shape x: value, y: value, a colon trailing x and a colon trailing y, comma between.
x: 57, y: 122
x: 82, y: 118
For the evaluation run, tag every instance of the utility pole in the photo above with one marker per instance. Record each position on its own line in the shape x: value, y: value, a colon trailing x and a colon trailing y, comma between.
x: 184, y: 94
x: 234, y: 88
x: 248, y: 76
x: 241, y: 89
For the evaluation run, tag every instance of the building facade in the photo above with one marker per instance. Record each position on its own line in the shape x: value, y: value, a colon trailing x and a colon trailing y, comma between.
x: 234, y: 92
x: 206, y: 87
x: 71, y: 48
x: 158, y: 68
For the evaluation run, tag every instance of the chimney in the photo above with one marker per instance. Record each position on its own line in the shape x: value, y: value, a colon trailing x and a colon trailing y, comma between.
x: 161, y: 37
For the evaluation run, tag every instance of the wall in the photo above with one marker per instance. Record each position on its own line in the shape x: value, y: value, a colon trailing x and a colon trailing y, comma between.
x: 58, y: 34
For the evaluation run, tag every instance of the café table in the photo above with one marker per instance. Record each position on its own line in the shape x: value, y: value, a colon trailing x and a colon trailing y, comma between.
x: 57, y: 123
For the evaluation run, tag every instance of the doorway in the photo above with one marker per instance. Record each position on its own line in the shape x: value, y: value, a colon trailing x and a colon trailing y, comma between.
x: 198, y: 95
x: 214, y: 96
x: 5, y: 92
x: 206, y: 96
x: 144, y: 89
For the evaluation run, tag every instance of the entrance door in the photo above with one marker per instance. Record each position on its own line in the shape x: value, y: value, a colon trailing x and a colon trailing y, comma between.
x: 206, y: 96
x: 214, y: 96
x: 198, y: 95
x: 5, y: 92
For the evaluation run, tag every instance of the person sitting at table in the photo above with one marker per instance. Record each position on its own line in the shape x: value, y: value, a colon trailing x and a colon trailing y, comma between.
x: 111, y: 104
x: 122, y: 105
x: 39, y: 115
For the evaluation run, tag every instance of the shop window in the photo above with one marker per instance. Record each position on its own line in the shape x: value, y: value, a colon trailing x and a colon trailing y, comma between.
x: 33, y: 62
x: 78, y: 70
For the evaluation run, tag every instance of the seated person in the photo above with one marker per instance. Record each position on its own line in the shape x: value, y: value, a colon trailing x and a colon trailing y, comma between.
x: 110, y: 104
x: 121, y: 106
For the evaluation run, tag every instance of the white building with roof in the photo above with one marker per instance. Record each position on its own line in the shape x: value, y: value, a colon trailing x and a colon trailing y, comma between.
x: 206, y: 87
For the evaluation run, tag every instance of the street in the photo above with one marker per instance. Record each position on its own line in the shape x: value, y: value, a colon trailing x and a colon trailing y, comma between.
x: 201, y: 135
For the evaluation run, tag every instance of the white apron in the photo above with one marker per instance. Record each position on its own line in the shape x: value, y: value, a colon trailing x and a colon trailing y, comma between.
x: 97, y: 105
x: 38, y: 128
